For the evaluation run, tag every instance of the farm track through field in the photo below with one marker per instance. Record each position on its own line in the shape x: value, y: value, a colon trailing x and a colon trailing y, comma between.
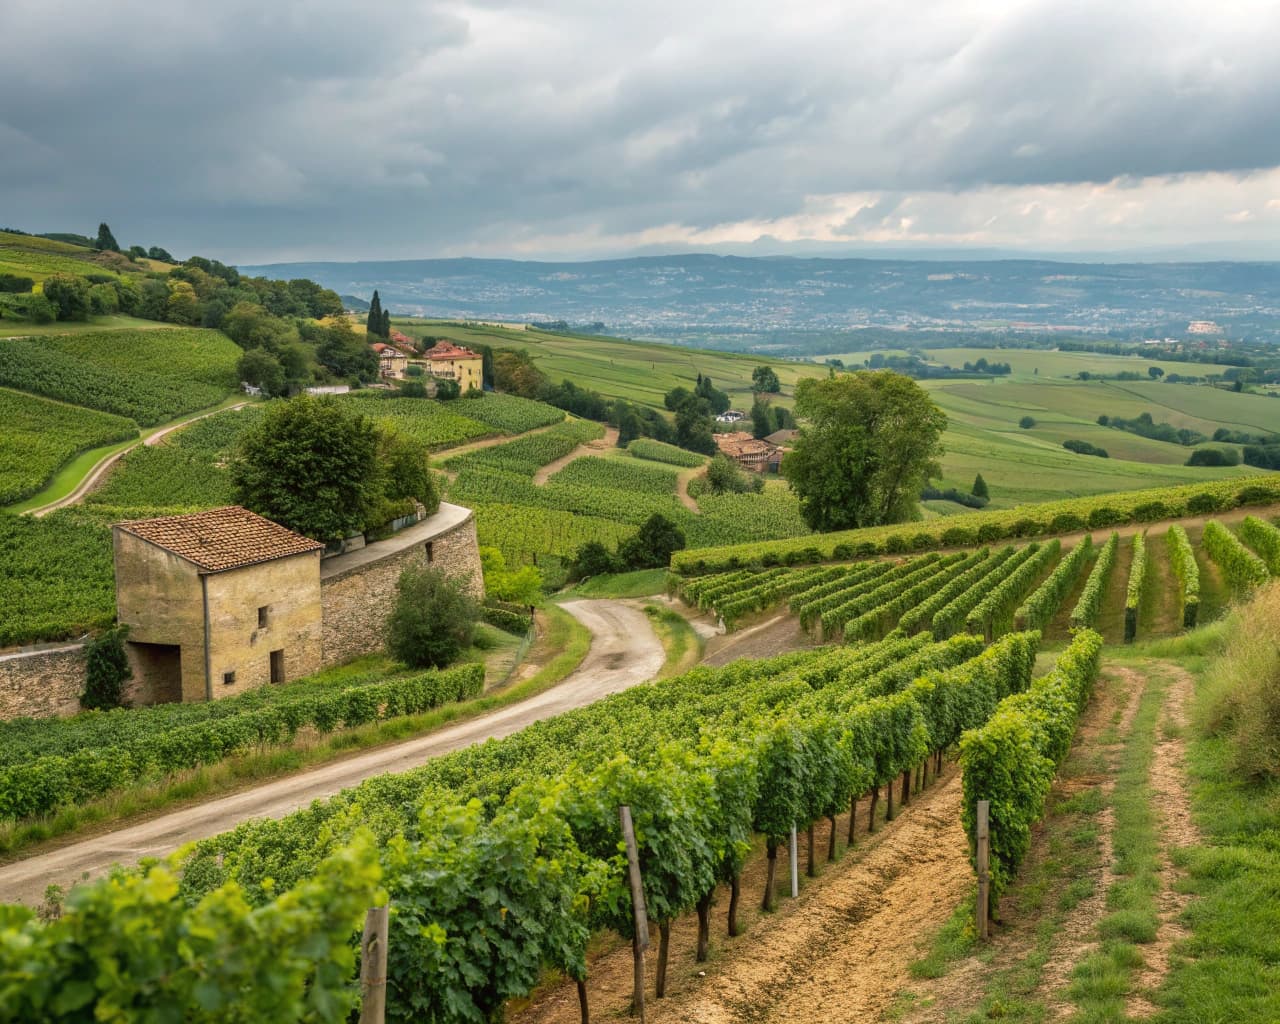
x: 98, y: 472
x: 610, y: 440
x: 624, y: 652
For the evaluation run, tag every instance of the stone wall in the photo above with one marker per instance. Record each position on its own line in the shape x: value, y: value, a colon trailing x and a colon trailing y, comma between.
x: 47, y: 683
x: 358, y: 591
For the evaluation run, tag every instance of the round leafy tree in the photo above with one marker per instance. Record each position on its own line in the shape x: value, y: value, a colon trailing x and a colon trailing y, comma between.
x: 433, y: 621
x: 867, y: 446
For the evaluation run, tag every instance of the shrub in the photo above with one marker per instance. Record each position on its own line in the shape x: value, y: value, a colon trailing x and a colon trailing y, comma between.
x: 1254, y: 495
x: 1027, y: 422
x: 1085, y: 448
x: 957, y: 536
x: 1150, y: 511
x: 593, y: 559
x: 896, y: 544
x: 1206, y: 502
x: 1102, y: 516
x: 989, y: 531
x: 433, y: 621
x: 14, y: 284
x: 842, y: 552
x: 106, y: 671
x: 1214, y: 457
x: 653, y: 544
x: 1066, y: 522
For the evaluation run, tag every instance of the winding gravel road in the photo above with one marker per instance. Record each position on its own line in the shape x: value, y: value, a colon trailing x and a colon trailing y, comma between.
x: 624, y: 651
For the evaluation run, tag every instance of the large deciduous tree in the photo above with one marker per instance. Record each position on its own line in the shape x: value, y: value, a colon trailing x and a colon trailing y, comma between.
x: 312, y: 466
x: 763, y: 379
x: 868, y: 443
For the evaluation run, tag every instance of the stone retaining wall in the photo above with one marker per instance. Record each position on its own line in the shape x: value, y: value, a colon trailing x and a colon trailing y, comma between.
x: 356, y: 601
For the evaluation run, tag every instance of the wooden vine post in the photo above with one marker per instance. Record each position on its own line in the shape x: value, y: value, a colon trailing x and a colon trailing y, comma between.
x: 641, y: 941
x: 795, y: 863
x: 984, y: 866
x: 373, y: 967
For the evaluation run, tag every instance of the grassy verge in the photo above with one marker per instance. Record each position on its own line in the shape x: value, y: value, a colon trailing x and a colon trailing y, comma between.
x: 641, y: 583
x: 1101, y: 982
x: 679, y: 640
x: 1053, y: 882
x: 1229, y: 967
x: 564, y: 644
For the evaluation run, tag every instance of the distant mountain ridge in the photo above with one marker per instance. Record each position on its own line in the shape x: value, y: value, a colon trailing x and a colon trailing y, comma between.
x: 789, y: 292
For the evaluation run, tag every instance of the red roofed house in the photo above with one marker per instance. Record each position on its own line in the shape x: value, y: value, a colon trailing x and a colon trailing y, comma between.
x: 218, y: 602
x: 750, y: 453
x: 453, y: 362
x: 391, y: 361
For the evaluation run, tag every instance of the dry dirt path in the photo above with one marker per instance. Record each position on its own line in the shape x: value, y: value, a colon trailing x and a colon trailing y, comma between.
x: 545, y: 473
x: 838, y: 953
x: 682, y: 489
x: 624, y: 651
x: 97, y: 473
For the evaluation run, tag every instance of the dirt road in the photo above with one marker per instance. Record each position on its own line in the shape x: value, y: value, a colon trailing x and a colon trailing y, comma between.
x: 610, y: 440
x: 99, y: 470
x: 624, y: 651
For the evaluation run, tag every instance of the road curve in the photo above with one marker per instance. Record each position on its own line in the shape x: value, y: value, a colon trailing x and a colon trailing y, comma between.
x: 624, y: 651
x: 100, y: 468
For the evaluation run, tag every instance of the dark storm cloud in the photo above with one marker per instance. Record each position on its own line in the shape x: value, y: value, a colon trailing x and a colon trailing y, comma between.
x: 274, y: 128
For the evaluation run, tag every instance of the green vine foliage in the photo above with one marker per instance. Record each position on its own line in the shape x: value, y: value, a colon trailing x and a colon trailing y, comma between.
x: 1241, y: 567
x: 1036, y: 611
x: 1187, y: 572
x: 1011, y: 759
x: 1133, y: 591
x: 1264, y: 539
x: 1089, y: 603
x: 131, y: 948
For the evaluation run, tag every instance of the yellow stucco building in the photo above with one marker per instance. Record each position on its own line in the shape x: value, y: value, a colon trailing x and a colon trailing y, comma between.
x: 453, y: 362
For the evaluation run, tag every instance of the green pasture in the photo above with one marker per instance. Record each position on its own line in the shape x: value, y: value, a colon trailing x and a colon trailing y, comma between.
x: 638, y: 371
x: 1047, y: 363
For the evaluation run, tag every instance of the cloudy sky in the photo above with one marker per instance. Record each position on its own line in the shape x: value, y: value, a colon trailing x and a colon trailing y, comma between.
x: 258, y: 130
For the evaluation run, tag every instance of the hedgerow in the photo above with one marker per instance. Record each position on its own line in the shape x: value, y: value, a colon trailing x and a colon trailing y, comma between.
x: 1089, y: 602
x: 97, y: 753
x: 1011, y: 759
x: 986, y: 526
x: 1240, y: 566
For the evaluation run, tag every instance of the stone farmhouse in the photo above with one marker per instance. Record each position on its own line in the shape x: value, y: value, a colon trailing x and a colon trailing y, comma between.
x: 224, y: 601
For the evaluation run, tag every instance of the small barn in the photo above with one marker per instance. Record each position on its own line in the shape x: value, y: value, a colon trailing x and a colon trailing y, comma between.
x: 218, y: 602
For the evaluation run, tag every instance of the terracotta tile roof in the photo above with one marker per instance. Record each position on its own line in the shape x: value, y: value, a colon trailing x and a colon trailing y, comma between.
x: 222, y: 538
x: 448, y: 350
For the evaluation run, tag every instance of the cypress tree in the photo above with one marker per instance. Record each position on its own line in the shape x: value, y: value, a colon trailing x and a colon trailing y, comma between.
x: 373, y: 322
x: 386, y: 323
x: 979, y: 489
x: 106, y: 240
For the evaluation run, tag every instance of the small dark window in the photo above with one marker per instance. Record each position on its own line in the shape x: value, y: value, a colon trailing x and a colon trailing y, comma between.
x: 430, y: 552
x: 277, y: 666
x: 263, y: 614
x: 228, y: 678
